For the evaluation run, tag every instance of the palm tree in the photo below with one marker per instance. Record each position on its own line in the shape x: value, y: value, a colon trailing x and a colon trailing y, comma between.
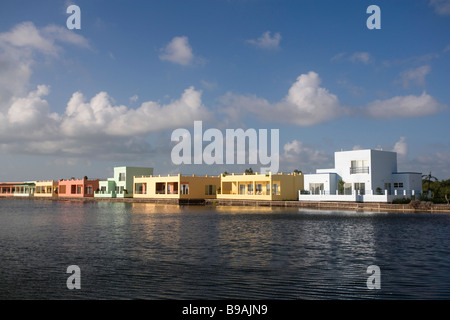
x: 249, y: 171
x: 428, y: 178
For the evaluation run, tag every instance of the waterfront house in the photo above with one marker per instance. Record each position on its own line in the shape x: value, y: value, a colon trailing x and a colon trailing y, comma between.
x: 176, y: 187
x: 48, y: 188
x: 364, y: 176
x: 25, y: 189
x: 121, y: 185
x: 76, y: 188
x: 266, y: 186
x: 7, y: 189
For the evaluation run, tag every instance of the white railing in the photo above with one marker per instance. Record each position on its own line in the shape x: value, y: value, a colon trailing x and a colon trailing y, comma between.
x: 364, y: 196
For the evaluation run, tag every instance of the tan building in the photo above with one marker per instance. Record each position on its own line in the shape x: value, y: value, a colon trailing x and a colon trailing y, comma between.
x: 47, y: 188
x: 260, y: 186
x: 176, y: 187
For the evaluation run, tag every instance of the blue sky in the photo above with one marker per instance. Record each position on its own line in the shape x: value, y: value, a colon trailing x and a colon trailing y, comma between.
x: 79, y: 102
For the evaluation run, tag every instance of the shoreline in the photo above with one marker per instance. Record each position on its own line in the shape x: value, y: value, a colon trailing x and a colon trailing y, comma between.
x: 413, y: 207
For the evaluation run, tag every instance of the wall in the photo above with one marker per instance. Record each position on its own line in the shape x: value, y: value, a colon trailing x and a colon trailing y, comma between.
x: 130, y: 172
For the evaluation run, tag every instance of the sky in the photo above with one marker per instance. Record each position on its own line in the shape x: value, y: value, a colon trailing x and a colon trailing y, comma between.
x: 78, y: 102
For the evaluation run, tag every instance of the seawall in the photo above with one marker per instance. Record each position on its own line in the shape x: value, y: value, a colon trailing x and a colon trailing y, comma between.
x: 414, y: 206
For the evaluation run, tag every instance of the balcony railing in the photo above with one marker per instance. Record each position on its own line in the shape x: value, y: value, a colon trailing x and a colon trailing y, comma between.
x: 354, y: 170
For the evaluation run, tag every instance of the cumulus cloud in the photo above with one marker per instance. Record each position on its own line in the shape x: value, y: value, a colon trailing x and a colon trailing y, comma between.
x: 101, y: 116
x: 415, y: 76
x: 26, y: 36
x: 178, y: 51
x: 19, y: 49
x: 401, y: 147
x: 305, y: 104
x: 298, y: 155
x: 404, y: 106
x: 266, y: 41
x: 27, y: 124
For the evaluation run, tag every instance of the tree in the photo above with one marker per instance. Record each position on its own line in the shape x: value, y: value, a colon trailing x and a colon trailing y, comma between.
x: 249, y: 171
x: 341, y: 186
x: 428, y: 177
x: 297, y: 171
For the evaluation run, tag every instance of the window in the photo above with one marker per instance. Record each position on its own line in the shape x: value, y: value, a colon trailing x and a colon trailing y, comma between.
x: 122, y: 176
x: 398, y: 184
x: 275, y: 189
x: 78, y: 189
x: 210, y: 190
x: 89, y: 190
x: 258, y: 188
x: 141, y: 188
x: 250, y: 188
x: 160, y: 188
x: 387, y: 186
x: 316, y: 188
x: 184, y: 188
x: 73, y: 189
x: 62, y: 189
x: 359, y: 166
x: 347, y: 188
x: 242, y: 189
x: 103, y: 189
x: 360, y: 186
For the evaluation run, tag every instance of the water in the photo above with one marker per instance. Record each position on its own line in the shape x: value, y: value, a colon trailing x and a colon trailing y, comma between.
x: 149, y: 251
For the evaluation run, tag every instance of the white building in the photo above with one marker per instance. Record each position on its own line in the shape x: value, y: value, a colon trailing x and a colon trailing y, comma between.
x: 121, y: 185
x: 364, y: 176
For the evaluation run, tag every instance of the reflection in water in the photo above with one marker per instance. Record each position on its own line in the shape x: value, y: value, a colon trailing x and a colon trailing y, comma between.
x: 157, y: 251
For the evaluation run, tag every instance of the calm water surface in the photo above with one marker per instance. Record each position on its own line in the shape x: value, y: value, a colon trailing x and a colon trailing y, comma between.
x: 148, y: 251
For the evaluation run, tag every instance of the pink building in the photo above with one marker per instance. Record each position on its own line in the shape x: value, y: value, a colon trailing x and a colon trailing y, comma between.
x: 77, y: 188
x: 8, y: 188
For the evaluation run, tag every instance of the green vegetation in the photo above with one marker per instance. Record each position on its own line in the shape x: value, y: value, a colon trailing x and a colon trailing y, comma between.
x: 249, y: 171
x: 341, y: 186
x: 440, y: 190
x: 401, y: 201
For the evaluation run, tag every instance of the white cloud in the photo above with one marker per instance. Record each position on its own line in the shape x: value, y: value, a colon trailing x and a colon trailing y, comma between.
x: 298, y: 155
x: 401, y: 147
x: 178, y: 51
x: 404, y: 106
x: 18, y: 54
x: 363, y: 57
x: 305, y: 104
x: 415, y: 76
x: 101, y: 116
x: 442, y: 7
x: 28, y: 126
x: 356, y: 57
x: 26, y: 36
x: 62, y: 34
x: 266, y: 41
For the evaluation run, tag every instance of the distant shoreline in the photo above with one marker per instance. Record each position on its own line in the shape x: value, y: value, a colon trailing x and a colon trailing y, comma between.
x: 414, y: 206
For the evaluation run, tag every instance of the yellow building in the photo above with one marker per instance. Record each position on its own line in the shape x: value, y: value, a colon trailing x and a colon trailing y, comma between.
x: 47, y: 188
x: 260, y: 186
x: 176, y: 187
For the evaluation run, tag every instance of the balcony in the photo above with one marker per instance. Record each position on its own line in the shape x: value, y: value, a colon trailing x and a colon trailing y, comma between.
x: 356, y: 170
